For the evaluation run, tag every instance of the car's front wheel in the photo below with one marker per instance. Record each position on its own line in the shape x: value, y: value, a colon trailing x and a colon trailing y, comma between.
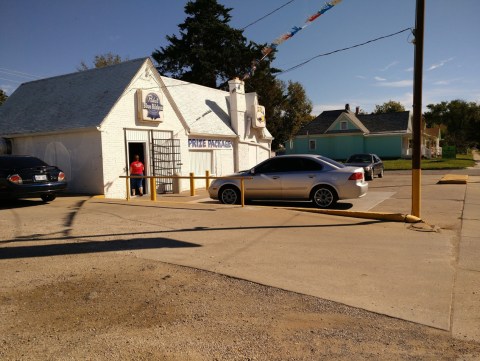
x: 229, y: 195
x: 48, y: 197
x: 324, y: 197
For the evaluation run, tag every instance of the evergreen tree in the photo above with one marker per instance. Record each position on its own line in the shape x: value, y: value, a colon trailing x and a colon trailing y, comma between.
x: 210, y: 52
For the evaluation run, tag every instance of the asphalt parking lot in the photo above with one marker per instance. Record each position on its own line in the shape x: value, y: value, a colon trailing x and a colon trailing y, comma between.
x: 425, y: 274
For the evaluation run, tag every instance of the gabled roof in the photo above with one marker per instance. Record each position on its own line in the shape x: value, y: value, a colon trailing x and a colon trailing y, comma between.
x: 205, y: 110
x: 387, y: 122
x: 320, y: 124
x: 68, y: 102
x: 398, y: 122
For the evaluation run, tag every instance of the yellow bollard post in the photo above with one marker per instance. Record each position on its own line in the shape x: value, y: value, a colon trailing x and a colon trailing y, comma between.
x: 192, y: 184
x: 153, y: 189
x: 207, y: 179
x: 128, y: 188
x: 242, y: 191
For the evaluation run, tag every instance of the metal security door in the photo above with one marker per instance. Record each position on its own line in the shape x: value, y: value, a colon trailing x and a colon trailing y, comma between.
x: 166, y: 161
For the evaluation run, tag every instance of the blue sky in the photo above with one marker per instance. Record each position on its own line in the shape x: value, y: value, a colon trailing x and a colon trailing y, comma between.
x: 46, y: 38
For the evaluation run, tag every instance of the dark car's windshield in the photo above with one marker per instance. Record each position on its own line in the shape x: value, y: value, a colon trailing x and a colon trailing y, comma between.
x: 331, y: 161
x: 20, y: 162
x: 360, y: 158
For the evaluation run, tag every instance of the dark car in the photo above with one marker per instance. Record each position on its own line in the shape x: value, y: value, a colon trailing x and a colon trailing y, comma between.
x: 27, y: 177
x: 371, y: 163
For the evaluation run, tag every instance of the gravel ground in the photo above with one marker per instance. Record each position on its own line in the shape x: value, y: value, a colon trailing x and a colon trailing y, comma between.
x: 118, y: 307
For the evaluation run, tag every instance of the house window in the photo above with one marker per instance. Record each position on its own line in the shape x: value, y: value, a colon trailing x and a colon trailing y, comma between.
x: 343, y: 126
x: 312, y: 144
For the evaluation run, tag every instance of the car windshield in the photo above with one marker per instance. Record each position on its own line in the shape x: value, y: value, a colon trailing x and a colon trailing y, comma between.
x: 20, y: 162
x: 360, y: 158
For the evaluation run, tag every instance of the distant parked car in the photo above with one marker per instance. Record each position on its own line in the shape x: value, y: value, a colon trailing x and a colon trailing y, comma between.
x: 294, y: 177
x: 27, y: 177
x: 371, y: 163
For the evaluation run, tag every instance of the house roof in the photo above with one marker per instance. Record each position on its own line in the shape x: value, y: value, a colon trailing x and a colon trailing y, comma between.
x: 74, y: 101
x: 373, y: 123
x: 83, y: 99
x: 205, y: 110
x: 386, y: 122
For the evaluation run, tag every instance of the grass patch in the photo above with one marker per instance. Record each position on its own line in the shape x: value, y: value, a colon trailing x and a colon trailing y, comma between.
x: 462, y: 161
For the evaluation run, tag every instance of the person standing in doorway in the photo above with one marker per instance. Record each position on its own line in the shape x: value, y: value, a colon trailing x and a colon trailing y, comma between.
x: 136, y: 168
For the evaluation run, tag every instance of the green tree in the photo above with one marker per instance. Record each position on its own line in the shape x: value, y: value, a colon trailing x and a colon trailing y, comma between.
x: 101, y: 61
x: 462, y: 120
x: 3, y: 97
x: 208, y: 52
x: 198, y: 57
x: 389, y: 107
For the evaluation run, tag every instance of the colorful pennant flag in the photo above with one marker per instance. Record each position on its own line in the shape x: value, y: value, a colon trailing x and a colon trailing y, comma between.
x: 267, y: 50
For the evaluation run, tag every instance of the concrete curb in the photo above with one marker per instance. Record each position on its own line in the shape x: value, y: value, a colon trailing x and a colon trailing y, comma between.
x: 391, y: 217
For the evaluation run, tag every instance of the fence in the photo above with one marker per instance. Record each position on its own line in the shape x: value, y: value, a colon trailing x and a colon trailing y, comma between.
x: 191, y: 177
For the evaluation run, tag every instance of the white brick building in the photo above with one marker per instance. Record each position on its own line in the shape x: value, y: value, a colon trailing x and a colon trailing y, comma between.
x: 92, y: 123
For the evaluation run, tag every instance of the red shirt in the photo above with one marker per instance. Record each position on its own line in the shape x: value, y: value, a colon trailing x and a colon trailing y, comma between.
x: 136, y: 167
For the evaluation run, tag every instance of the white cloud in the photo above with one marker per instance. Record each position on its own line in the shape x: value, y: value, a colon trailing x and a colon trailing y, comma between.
x: 360, y: 77
x: 389, y: 66
x: 440, y: 64
x: 441, y: 82
x: 377, y: 78
x: 319, y: 108
x: 396, y: 84
x: 409, y: 69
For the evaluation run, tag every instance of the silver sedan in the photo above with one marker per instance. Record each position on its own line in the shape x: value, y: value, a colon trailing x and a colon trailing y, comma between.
x: 294, y: 177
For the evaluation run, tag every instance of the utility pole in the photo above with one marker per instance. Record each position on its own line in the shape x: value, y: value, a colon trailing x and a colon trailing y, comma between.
x: 417, y: 110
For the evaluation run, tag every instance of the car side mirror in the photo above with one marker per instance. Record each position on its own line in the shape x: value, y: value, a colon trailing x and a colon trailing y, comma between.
x: 252, y: 171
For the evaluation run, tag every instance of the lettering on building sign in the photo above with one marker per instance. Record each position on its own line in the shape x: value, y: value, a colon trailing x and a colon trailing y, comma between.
x: 149, y: 106
x: 210, y: 144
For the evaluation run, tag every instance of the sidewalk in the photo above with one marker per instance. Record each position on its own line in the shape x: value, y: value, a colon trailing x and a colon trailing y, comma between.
x: 466, y: 301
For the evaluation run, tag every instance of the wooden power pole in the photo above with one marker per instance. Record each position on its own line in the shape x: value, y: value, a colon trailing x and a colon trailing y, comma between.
x: 417, y: 110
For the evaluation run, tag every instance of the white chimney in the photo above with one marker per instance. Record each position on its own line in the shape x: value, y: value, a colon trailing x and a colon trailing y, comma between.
x: 238, y: 106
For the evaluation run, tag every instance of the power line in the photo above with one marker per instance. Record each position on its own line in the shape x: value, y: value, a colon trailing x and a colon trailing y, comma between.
x: 343, y: 49
x: 270, y: 13
x: 18, y: 73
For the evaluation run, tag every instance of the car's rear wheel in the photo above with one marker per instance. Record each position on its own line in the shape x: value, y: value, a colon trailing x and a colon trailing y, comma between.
x: 380, y: 175
x: 229, y: 195
x: 48, y: 197
x: 324, y: 197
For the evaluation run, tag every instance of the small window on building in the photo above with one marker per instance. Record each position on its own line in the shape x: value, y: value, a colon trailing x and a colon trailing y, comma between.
x: 312, y: 144
x: 343, y: 125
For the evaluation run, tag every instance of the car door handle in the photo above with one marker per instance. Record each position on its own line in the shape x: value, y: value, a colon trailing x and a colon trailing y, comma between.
x: 311, y: 176
x: 275, y: 177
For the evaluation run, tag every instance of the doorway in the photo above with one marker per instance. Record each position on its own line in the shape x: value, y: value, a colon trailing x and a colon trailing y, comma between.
x: 138, y: 149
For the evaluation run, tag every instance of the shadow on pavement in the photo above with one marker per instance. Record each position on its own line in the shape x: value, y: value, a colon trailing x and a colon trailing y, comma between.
x: 91, y: 247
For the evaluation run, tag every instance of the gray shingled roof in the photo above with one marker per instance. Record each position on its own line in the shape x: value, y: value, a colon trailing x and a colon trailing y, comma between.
x: 385, y: 123
x: 320, y: 124
x: 206, y: 110
x: 74, y: 101
x: 375, y: 123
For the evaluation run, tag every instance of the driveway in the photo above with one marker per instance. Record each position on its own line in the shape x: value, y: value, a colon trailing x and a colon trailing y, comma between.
x: 386, y: 267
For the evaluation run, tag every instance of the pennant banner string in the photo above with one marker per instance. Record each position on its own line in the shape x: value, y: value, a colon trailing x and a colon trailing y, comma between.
x: 267, y: 50
x: 281, y: 39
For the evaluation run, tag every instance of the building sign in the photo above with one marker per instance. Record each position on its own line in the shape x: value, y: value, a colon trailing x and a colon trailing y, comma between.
x: 195, y: 143
x: 149, y: 106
